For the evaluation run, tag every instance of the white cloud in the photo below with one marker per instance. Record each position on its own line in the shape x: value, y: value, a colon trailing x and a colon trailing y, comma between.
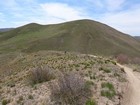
x: 126, y: 21
x: 109, y: 5
x: 62, y: 11
x: 98, y: 3
x: 47, y: 13
x: 2, y: 17
x: 50, y: 13
x: 113, y: 5
x: 9, y: 4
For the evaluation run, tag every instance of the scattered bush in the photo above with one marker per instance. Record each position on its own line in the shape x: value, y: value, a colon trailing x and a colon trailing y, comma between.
x: 89, y: 84
x: 116, y: 75
x: 107, y: 61
x: 5, y: 102
x: 101, y: 68
x: 123, y: 59
x: 92, y: 76
x: 105, y: 70
x: 30, y: 97
x: 107, y: 85
x: 90, y: 102
x: 107, y: 93
x: 135, y: 69
x: 20, y: 99
x: 135, y: 60
x: 11, y: 84
x: 113, y: 62
x: 122, y: 69
x: 70, y: 89
x: 41, y: 74
x: 110, y: 92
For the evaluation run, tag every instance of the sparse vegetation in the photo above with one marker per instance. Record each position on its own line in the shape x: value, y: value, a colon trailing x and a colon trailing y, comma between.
x: 84, y: 82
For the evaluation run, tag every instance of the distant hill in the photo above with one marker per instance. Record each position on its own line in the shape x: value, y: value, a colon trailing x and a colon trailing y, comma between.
x: 137, y: 38
x: 84, y: 36
x: 5, y: 29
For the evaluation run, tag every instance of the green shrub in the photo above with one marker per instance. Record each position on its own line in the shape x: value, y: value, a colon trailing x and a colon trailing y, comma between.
x: 101, y: 68
x: 107, y: 70
x: 92, y: 77
x: 30, y: 97
x: 5, y: 102
x: 110, y: 92
x: 113, y: 62
x: 89, y: 84
x: 90, y: 102
x: 116, y: 75
x: 107, y: 85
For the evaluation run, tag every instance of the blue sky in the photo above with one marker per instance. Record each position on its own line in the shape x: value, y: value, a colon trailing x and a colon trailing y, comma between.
x: 123, y: 15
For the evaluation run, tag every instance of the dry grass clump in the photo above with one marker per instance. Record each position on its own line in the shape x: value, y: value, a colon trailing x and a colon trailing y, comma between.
x: 41, y: 74
x: 70, y: 89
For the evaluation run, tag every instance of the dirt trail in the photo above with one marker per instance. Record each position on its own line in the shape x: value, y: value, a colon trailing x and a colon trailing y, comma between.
x: 132, y: 95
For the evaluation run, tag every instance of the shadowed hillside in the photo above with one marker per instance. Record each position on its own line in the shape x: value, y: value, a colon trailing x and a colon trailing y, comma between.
x: 137, y: 38
x: 85, y: 36
x: 5, y: 29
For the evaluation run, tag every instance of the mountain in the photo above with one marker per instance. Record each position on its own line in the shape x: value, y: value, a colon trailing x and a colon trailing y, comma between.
x: 84, y: 36
x: 5, y: 29
x: 137, y: 38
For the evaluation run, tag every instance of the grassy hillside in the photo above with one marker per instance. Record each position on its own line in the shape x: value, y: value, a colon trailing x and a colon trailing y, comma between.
x: 85, y: 36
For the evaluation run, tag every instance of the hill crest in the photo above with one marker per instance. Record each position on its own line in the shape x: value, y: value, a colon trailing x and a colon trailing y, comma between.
x: 85, y: 36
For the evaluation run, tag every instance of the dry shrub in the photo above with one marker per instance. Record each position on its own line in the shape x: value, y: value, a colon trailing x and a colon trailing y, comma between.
x: 135, y: 60
x: 123, y: 59
x: 70, y: 89
x: 41, y: 74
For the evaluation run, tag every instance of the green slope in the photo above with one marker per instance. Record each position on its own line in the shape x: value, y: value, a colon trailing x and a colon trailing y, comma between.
x: 85, y: 36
